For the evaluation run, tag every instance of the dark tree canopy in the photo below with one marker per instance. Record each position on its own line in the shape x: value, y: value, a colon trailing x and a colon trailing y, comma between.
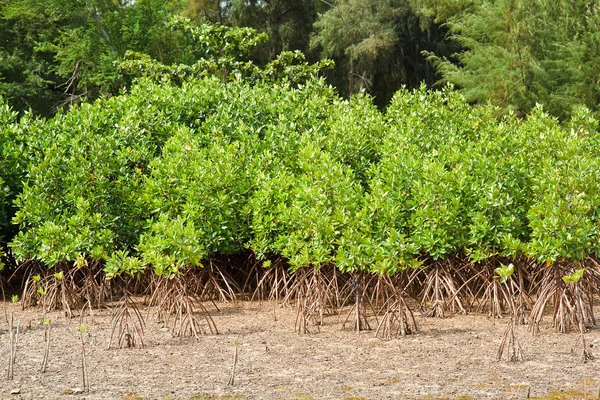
x: 512, y: 53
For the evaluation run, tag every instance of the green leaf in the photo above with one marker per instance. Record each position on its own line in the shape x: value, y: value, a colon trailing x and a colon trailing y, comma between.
x: 504, y: 272
x: 574, y: 277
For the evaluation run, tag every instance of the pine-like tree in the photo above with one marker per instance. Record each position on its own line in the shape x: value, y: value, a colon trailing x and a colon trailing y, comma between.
x: 378, y: 44
x: 517, y: 53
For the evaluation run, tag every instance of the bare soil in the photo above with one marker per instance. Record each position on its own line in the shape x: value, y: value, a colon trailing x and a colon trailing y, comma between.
x: 454, y: 358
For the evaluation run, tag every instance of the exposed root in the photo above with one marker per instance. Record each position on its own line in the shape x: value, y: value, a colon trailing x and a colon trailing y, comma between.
x: 398, y: 319
x: 357, y: 290
x: 139, y: 285
x: 570, y: 308
x: 510, y: 344
x: 310, y: 313
x: 128, y: 322
x: 521, y: 285
x: 86, y: 311
x: 316, y: 295
x: 52, y: 290
x: 94, y: 288
x: 495, y: 298
x: 217, y: 284
x: 383, y: 289
x: 275, y: 283
x: 442, y: 288
x: 2, y: 289
x: 499, y: 298
x: 200, y: 286
x: 65, y: 287
x: 586, y: 354
x: 176, y: 304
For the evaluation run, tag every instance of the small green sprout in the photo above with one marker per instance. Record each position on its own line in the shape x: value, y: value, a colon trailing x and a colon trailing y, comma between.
x: 574, y: 277
x: 80, y: 261
x: 504, y: 272
x: 59, y: 275
x: 14, y: 298
x: 36, y: 278
x: 81, y: 328
x: 41, y: 291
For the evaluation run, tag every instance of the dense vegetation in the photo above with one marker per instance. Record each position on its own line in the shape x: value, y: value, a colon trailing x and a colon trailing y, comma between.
x: 210, y: 172
x: 512, y: 53
x: 166, y: 179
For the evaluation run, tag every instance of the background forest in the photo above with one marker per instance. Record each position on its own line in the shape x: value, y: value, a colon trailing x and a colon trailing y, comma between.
x: 512, y: 53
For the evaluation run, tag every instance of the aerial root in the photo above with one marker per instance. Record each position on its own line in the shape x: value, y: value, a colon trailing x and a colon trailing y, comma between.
x: 569, y: 306
x: 496, y: 298
x: 65, y: 287
x: 129, y: 322
x: 398, y: 319
x: 176, y: 304
x: 510, y: 344
x: 316, y: 296
x: 274, y: 283
x: 442, y: 289
x: 53, y: 290
x: 217, y: 284
x: 357, y: 292
x: 95, y: 288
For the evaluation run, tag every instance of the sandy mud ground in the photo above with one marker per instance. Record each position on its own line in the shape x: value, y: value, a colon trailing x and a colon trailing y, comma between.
x: 455, y: 359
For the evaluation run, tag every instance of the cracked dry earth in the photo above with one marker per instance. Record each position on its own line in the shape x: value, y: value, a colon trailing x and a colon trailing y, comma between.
x: 455, y: 358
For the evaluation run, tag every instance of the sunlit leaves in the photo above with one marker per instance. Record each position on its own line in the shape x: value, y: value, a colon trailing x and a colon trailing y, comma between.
x: 166, y: 177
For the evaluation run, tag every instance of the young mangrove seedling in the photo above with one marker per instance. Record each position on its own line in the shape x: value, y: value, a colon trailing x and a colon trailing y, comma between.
x: 81, y: 329
x: 235, y: 360
x: 46, y: 323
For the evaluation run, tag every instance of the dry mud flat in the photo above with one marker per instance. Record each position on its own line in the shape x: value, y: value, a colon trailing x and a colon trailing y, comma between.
x: 453, y: 359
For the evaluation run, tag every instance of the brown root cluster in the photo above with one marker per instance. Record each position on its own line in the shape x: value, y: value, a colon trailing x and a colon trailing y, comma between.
x: 390, y: 306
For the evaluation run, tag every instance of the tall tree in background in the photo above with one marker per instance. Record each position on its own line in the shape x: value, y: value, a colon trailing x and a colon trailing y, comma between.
x: 378, y: 45
x: 215, y: 11
x: 55, y: 52
x: 288, y: 23
x: 519, y: 52
x: 26, y: 73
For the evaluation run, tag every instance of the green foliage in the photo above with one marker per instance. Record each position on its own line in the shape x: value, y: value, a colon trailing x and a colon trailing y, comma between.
x: 288, y: 23
x: 574, y: 277
x: 361, y: 31
x: 170, y: 246
x: 512, y: 53
x: 519, y: 53
x: 504, y: 272
x: 377, y: 45
x: 5, y: 205
x: 209, y: 10
x: 58, y: 52
x: 166, y: 176
x: 120, y: 262
x: 81, y: 328
x: 12, y: 165
x: 82, y: 190
x: 224, y: 52
x: 197, y: 196
x: 355, y: 131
